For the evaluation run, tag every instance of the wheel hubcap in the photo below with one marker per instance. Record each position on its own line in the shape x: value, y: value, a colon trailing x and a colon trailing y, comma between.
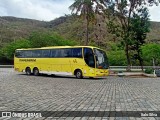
x: 78, y: 74
x: 27, y: 71
x: 36, y: 72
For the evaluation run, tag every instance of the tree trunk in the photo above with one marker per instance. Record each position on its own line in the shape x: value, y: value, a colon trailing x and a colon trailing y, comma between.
x: 140, y: 59
x: 154, y: 63
x: 86, y: 42
x: 128, y: 58
x: 141, y: 64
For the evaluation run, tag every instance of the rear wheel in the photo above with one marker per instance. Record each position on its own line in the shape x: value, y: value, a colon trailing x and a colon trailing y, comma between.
x: 28, y: 71
x: 79, y: 74
x: 35, y: 71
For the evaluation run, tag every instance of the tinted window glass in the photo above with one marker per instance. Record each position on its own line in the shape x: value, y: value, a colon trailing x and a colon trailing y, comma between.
x: 67, y: 52
x: 58, y: 53
x: 37, y: 53
x: 45, y: 53
x: 89, y: 57
x: 77, y: 52
x: 53, y: 52
x: 63, y: 53
x: 27, y: 53
x: 19, y: 54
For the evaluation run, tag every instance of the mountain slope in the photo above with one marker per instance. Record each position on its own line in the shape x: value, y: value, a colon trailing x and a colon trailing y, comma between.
x: 70, y: 27
x: 12, y: 28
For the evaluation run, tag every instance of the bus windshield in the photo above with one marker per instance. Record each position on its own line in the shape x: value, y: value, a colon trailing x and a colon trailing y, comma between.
x: 101, y: 59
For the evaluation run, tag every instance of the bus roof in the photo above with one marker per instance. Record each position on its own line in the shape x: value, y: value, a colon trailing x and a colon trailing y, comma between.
x: 52, y: 47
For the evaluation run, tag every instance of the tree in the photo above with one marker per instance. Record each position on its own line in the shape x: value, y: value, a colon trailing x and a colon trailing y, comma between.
x: 85, y: 9
x: 10, y: 48
x: 151, y: 53
x: 1, y: 55
x: 45, y: 39
x: 117, y: 57
x: 139, y: 27
x: 35, y: 40
x: 120, y: 14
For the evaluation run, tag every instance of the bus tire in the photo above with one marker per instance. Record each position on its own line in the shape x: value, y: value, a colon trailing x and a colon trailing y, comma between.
x: 78, y: 74
x: 35, y: 71
x: 28, y: 71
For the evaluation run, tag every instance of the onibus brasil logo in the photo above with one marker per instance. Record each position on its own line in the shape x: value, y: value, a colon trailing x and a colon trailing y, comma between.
x: 21, y: 114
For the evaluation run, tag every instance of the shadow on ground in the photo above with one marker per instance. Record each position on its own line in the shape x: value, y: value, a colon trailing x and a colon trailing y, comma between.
x: 59, y: 76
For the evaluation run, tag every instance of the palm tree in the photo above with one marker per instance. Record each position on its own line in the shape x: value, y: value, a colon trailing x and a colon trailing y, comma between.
x: 84, y: 8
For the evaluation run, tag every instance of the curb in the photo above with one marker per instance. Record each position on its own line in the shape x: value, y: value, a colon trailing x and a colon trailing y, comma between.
x: 133, y: 75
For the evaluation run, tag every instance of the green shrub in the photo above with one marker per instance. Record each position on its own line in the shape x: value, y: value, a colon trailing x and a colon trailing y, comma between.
x: 148, y: 70
x: 117, y: 58
x: 150, y: 52
x: 45, y: 39
x: 9, y: 49
x: 36, y: 39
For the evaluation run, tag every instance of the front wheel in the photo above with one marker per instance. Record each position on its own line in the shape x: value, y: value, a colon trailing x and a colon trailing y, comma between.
x: 36, y: 71
x: 79, y: 74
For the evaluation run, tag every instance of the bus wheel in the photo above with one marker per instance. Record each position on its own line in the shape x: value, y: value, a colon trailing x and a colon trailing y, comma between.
x: 35, y: 71
x: 28, y: 71
x: 79, y: 74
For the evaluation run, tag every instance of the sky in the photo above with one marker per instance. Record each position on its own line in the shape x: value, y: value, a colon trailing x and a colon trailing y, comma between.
x: 46, y: 10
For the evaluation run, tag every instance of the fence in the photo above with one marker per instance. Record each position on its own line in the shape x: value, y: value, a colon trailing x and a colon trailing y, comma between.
x: 123, y: 68
x: 133, y: 68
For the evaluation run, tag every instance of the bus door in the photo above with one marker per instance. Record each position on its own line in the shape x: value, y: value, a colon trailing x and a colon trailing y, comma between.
x: 90, y: 61
x: 76, y: 59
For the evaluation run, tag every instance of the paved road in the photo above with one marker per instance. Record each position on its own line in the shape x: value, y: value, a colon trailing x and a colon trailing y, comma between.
x: 19, y: 92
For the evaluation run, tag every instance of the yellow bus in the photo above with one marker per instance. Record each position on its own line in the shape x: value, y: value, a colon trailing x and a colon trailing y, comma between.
x: 81, y: 61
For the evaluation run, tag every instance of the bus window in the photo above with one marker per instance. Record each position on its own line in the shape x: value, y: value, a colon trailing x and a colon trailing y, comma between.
x: 58, y: 53
x: 67, y: 52
x: 19, y: 54
x: 36, y: 53
x: 53, y: 53
x: 28, y: 54
x: 45, y: 53
x: 102, y: 60
x: 89, y: 57
x: 77, y: 52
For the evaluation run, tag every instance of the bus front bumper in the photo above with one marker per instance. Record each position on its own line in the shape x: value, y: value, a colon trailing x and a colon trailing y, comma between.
x: 102, y: 73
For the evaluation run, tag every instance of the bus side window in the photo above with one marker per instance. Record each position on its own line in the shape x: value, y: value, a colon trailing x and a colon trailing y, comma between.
x: 53, y: 53
x: 37, y: 53
x: 27, y: 53
x: 58, y: 53
x: 66, y: 52
x: 45, y: 53
x: 19, y: 54
x: 77, y: 52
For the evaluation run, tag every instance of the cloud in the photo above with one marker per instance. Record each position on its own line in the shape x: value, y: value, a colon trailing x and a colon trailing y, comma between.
x: 155, y: 13
x: 48, y: 9
x: 35, y: 9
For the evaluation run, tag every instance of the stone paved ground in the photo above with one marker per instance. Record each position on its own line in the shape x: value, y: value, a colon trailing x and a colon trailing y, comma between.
x: 19, y: 92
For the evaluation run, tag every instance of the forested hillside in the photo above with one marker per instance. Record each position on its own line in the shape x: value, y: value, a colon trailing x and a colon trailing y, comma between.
x: 70, y: 30
x: 69, y: 27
